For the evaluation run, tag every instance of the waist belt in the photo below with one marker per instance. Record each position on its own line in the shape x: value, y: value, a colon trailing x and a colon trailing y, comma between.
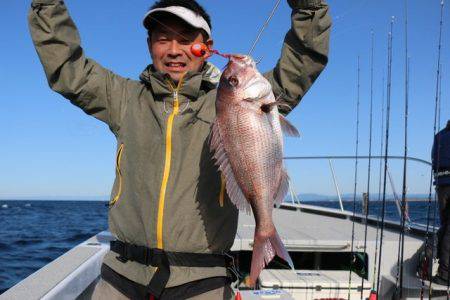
x: 135, y: 291
x: 163, y: 260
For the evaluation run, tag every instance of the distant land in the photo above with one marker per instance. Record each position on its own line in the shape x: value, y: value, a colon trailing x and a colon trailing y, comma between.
x: 306, y: 197
x: 349, y: 197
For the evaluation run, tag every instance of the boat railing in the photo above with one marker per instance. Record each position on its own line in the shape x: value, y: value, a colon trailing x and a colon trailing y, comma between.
x: 294, y: 201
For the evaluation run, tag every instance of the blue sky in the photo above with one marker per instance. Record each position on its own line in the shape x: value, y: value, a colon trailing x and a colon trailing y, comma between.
x: 50, y: 148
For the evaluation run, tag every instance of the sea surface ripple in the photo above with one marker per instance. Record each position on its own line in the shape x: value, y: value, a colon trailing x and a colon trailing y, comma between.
x: 33, y: 233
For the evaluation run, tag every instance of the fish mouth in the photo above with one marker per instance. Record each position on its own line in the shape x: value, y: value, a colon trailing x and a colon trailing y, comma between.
x: 242, y: 61
x: 239, y: 56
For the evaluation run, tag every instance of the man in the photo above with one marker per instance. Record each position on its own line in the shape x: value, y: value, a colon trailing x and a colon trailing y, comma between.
x: 441, y: 169
x: 169, y: 210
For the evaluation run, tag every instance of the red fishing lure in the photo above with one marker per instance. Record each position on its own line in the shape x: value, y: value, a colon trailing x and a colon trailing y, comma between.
x: 200, y: 49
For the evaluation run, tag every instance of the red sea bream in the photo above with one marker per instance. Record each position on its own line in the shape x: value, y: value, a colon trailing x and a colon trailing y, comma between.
x: 247, y: 141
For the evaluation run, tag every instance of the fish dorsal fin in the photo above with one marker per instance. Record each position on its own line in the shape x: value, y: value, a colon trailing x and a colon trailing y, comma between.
x: 233, y: 190
x: 282, y: 188
x: 287, y: 127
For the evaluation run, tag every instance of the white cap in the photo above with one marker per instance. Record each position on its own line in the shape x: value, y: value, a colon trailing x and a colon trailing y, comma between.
x: 185, y: 14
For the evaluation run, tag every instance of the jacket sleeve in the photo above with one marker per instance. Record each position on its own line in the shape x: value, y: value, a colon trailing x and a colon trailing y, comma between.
x: 97, y: 91
x: 304, y: 53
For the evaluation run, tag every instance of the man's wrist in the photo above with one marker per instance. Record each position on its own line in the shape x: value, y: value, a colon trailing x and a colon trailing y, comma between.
x: 306, y: 4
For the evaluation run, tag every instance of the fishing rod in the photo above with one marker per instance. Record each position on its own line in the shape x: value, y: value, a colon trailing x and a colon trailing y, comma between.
x: 404, y: 211
x: 373, y: 292
x: 263, y: 27
x: 401, y: 249
x: 352, y: 256
x: 388, y: 110
x: 370, y: 157
x: 200, y: 49
x: 427, y: 268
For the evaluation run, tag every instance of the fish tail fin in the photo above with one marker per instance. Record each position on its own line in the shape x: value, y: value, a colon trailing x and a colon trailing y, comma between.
x: 264, y: 250
x: 280, y: 250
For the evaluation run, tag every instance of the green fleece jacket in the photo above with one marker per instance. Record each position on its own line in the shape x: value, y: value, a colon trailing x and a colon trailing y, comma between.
x: 168, y: 193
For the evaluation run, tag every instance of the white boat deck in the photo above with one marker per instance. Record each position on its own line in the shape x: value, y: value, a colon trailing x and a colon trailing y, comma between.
x: 306, y: 231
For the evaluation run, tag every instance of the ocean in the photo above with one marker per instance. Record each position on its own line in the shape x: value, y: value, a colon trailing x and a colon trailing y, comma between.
x: 33, y: 233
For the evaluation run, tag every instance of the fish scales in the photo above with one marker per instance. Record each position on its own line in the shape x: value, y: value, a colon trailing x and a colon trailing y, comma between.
x: 250, y: 152
x: 248, y: 143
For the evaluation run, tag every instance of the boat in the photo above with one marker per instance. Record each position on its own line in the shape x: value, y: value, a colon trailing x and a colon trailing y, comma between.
x: 318, y: 239
x: 337, y: 254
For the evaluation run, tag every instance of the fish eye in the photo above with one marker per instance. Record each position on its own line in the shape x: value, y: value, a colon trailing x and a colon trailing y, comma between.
x: 233, y: 81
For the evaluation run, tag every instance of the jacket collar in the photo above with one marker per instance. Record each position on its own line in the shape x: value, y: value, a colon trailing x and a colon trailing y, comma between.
x: 192, y: 84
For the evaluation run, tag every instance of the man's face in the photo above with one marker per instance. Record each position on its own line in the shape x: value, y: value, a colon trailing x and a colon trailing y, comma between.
x: 170, y: 47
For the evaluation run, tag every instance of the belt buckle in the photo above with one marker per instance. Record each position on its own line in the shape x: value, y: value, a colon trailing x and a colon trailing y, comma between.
x: 123, y: 257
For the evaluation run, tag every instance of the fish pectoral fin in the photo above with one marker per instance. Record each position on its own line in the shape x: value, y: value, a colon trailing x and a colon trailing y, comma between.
x: 287, y: 127
x: 279, y: 102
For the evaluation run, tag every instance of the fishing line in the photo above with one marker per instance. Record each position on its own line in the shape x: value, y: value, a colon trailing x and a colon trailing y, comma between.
x: 355, y: 7
x: 177, y: 33
x: 388, y: 109
x: 200, y: 49
x: 261, y: 30
x: 397, y: 200
x: 258, y: 61
x: 337, y: 20
x: 197, y: 49
x: 352, y: 256
x: 167, y: 27
x: 427, y: 237
x: 370, y: 159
